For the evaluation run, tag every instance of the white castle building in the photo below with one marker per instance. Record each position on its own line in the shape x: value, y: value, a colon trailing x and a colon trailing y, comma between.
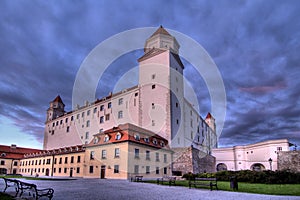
x: 157, y: 104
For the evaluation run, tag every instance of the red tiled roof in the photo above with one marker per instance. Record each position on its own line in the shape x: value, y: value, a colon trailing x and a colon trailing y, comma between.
x: 15, y: 152
x: 208, y: 116
x: 126, y: 131
x: 160, y: 30
x: 58, y: 99
x: 151, y: 53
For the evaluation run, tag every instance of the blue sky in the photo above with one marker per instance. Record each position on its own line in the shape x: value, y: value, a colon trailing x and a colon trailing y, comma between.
x: 255, y: 45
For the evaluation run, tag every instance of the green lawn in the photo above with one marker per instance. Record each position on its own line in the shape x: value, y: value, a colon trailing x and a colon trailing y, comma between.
x: 274, y: 189
x: 4, y: 196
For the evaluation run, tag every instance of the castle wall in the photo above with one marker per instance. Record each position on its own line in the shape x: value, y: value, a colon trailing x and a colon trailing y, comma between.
x: 289, y: 160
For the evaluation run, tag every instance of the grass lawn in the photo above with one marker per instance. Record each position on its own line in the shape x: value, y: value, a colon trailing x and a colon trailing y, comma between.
x: 4, y: 196
x: 258, y: 188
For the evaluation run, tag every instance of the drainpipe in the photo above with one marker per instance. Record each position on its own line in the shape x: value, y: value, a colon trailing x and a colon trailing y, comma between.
x: 52, y: 164
x: 11, y: 165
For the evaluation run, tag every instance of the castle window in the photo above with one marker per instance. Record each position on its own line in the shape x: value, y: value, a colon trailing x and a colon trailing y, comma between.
x: 165, y: 158
x: 116, y: 169
x: 88, y: 123
x: 157, y: 170
x: 95, y: 110
x: 136, y: 136
x: 177, y: 121
x: 118, y: 136
x: 103, y: 155
x: 82, y: 114
x: 78, y: 159
x: 52, y: 133
x: 66, y: 120
x: 66, y: 160
x: 147, y: 169
x: 53, y: 124
x: 107, y: 116
x: 147, y: 155
x: 2, y: 162
x: 92, y: 155
x: 136, y: 94
x: 176, y: 105
x: 153, y: 106
x: 165, y: 170
x: 279, y: 148
x: 120, y: 101
x: 106, y: 138
x: 87, y: 135
x: 192, y: 135
x: 101, y: 119
x: 101, y: 107
x: 153, y: 86
x: 78, y: 170
x: 61, y: 121
x: 153, y: 123
x: 146, y: 139
x: 120, y: 114
x: 68, y: 129
x: 117, y: 152
x: 162, y: 143
x: 136, y: 153
x: 88, y: 112
x: 72, y: 118
x: 136, y: 169
x: 77, y: 117
x: 109, y: 105
x: 91, y: 169
x: 96, y: 140
x: 157, y: 157
x: 153, y: 76
x: 154, y: 141
x: 57, y: 123
x: 134, y: 102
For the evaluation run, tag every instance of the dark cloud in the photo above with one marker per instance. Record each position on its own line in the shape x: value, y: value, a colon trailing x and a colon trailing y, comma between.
x: 255, y: 44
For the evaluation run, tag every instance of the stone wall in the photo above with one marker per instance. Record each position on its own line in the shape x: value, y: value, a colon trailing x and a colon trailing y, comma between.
x: 289, y: 160
x: 192, y: 160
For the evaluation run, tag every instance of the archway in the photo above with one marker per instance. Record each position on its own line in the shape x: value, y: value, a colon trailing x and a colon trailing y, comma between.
x: 258, y: 167
x: 221, y: 167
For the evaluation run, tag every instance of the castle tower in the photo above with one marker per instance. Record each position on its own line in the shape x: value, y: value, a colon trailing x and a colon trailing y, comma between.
x: 210, y: 120
x: 56, y: 109
x: 161, y: 83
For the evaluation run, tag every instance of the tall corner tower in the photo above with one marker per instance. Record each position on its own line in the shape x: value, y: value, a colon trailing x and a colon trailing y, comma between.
x: 210, y: 120
x: 161, y: 83
x: 56, y: 109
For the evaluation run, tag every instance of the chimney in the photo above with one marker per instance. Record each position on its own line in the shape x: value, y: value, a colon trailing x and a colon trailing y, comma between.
x: 13, y: 146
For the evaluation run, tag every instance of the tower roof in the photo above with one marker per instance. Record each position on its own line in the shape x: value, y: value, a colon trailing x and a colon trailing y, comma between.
x: 208, y: 116
x: 58, y: 99
x: 161, y: 30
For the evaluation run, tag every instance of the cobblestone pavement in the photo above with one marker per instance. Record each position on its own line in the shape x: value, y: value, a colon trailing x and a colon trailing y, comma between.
x: 94, y: 189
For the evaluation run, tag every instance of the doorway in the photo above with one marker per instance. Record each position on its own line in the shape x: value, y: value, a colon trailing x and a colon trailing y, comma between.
x: 47, y: 172
x: 102, y: 174
x: 71, y: 172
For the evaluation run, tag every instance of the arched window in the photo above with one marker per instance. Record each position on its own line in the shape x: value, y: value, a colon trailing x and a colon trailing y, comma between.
x: 221, y: 167
x: 118, y: 136
x: 258, y: 167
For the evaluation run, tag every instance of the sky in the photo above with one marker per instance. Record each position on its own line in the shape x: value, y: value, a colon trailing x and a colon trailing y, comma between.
x: 255, y: 45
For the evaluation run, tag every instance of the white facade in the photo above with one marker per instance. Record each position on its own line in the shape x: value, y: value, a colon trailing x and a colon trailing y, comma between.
x: 156, y: 104
x: 258, y: 156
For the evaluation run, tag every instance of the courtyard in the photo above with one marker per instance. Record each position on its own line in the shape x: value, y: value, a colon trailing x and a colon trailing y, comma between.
x: 92, y: 189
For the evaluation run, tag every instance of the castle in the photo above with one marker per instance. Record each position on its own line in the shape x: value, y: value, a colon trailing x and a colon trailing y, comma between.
x: 150, y: 129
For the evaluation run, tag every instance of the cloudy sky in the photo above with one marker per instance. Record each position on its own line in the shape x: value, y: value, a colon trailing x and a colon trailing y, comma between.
x: 255, y: 45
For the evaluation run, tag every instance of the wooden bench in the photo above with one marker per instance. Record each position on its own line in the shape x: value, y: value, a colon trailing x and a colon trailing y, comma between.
x: 137, y: 178
x: 169, y: 179
x: 37, y: 193
x: 11, y: 183
x: 204, y: 182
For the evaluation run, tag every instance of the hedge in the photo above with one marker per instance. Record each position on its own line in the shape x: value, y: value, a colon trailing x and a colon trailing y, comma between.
x: 267, y: 177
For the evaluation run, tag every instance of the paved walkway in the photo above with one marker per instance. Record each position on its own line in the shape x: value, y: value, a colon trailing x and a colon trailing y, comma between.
x: 94, y: 189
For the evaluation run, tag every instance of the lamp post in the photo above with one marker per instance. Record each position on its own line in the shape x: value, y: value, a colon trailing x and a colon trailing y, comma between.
x: 270, y: 161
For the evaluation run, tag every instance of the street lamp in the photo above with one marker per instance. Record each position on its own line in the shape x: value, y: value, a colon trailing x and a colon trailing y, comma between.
x: 270, y: 161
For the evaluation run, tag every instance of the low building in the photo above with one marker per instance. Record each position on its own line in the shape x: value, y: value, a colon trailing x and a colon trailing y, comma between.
x: 120, y: 152
x: 258, y: 156
x: 10, y: 157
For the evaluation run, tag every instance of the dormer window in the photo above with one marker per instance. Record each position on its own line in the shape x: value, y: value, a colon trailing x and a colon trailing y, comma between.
x: 106, y: 138
x: 154, y: 141
x: 146, y: 139
x: 162, y: 144
x: 118, y: 136
x: 96, y: 140
x: 136, y: 136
